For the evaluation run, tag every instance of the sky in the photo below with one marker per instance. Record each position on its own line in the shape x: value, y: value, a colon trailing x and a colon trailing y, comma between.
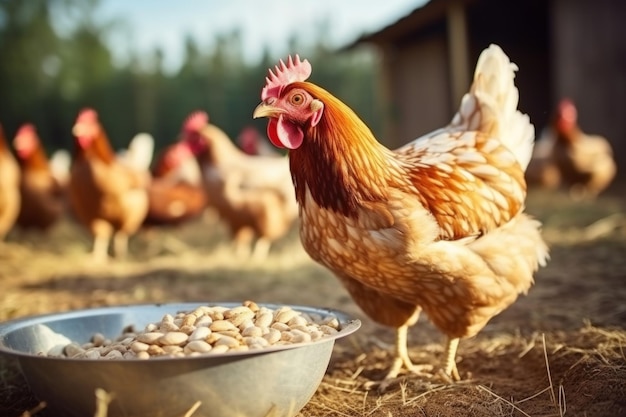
x: 165, y: 23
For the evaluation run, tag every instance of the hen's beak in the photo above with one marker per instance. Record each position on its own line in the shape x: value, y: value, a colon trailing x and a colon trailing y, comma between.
x: 266, y: 110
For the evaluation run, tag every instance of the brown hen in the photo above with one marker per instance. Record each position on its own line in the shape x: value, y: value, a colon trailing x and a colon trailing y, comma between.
x: 43, y: 196
x: 436, y: 225
x: 567, y: 156
x: 10, y: 199
x: 252, y: 194
x: 108, y: 198
x: 176, y: 193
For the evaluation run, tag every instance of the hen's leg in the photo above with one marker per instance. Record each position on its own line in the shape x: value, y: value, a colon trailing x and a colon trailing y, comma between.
x: 100, y: 248
x: 120, y: 244
x: 243, y: 242
x: 261, y: 249
x: 402, y: 353
x: 450, y: 369
x: 102, y: 232
x: 402, y: 359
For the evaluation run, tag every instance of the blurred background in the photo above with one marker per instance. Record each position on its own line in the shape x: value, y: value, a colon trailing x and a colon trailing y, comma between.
x: 144, y: 65
x: 401, y: 64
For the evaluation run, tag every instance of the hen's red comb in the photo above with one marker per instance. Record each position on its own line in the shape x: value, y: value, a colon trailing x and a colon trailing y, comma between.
x: 87, y: 115
x: 195, y: 121
x: 285, y: 74
x: 567, y: 109
x: 27, y: 128
x: 25, y: 141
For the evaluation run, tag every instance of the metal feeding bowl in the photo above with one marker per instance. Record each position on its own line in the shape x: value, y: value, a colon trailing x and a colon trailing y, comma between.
x: 274, y: 381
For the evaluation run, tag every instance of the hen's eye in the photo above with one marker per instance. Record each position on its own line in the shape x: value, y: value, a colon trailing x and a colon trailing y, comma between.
x: 297, y: 99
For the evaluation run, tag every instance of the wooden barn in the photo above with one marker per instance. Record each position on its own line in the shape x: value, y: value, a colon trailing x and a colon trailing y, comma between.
x: 573, y: 48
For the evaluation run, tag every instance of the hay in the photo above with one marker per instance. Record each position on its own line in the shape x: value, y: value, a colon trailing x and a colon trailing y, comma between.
x: 553, y: 374
x: 557, y: 352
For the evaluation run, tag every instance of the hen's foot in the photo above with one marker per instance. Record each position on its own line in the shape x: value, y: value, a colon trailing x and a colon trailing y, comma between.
x: 99, y: 252
x: 392, y: 378
x: 450, y: 370
x: 447, y: 377
x: 99, y: 256
x: 261, y: 249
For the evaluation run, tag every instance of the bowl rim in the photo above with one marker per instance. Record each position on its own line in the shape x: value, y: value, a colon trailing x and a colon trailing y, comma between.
x: 348, y: 326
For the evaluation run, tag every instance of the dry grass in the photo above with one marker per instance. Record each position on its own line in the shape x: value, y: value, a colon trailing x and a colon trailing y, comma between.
x: 557, y: 352
x: 556, y: 374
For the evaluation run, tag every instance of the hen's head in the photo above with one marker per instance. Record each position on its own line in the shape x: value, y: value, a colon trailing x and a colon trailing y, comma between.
x: 289, y: 105
x: 86, y: 127
x: 174, y: 156
x: 192, y: 131
x: 26, y: 141
x: 566, y: 116
x: 248, y: 140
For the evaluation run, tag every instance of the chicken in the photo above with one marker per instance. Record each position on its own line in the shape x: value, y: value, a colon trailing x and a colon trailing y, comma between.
x: 43, y: 196
x: 10, y: 199
x: 253, y: 143
x: 252, y: 194
x: 176, y: 192
x: 177, y: 162
x: 436, y: 225
x: 541, y: 171
x: 567, y: 156
x: 107, y: 197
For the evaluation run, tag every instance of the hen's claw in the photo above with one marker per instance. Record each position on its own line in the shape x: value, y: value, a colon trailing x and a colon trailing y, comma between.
x: 392, y: 378
x: 424, y: 371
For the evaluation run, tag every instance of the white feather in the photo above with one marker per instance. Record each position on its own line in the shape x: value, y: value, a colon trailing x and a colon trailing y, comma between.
x: 495, y: 90
x: 139, y: 153
x: 60, y: 162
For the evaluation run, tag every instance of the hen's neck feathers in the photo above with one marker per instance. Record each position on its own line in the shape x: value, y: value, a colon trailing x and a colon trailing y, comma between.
x: 340, y: 160
x: 100, y: 148
x: 4, y: 146
x: 568, y: 135
x: 36, y: 161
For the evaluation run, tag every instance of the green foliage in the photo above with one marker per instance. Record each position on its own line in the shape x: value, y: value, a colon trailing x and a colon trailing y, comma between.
x: 47, y: 77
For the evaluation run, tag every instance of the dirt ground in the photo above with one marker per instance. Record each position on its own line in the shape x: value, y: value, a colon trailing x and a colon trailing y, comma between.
x: 557, y: 352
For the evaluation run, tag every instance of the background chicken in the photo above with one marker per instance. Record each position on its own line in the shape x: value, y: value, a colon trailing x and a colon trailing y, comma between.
x: 176, y: 192
x: 43, y: 196
x: 541, y: 171
x: 436, y: 225
x: 252, y: 194
x: 107, y: 197
x: 9, y: 187
x: 567, y: 156
x: 252, y: 142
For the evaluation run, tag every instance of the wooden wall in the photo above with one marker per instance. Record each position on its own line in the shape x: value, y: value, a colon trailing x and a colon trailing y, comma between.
x: 574, y: 48
x: 589, y: 53
x: 418, y: 85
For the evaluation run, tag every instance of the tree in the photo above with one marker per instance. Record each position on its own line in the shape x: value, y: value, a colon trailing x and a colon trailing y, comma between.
x: 51, y: 71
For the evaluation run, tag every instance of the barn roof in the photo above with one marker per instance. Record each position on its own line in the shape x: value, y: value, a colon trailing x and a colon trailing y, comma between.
x: 420, y: 19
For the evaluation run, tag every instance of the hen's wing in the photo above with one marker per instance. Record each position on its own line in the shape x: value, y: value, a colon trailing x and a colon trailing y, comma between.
x: 470, y: 174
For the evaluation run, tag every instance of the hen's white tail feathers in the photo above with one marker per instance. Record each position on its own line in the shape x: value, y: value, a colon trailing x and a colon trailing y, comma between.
x: 139, y: 153
x: 491, y: 105
x: 60, y: 162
